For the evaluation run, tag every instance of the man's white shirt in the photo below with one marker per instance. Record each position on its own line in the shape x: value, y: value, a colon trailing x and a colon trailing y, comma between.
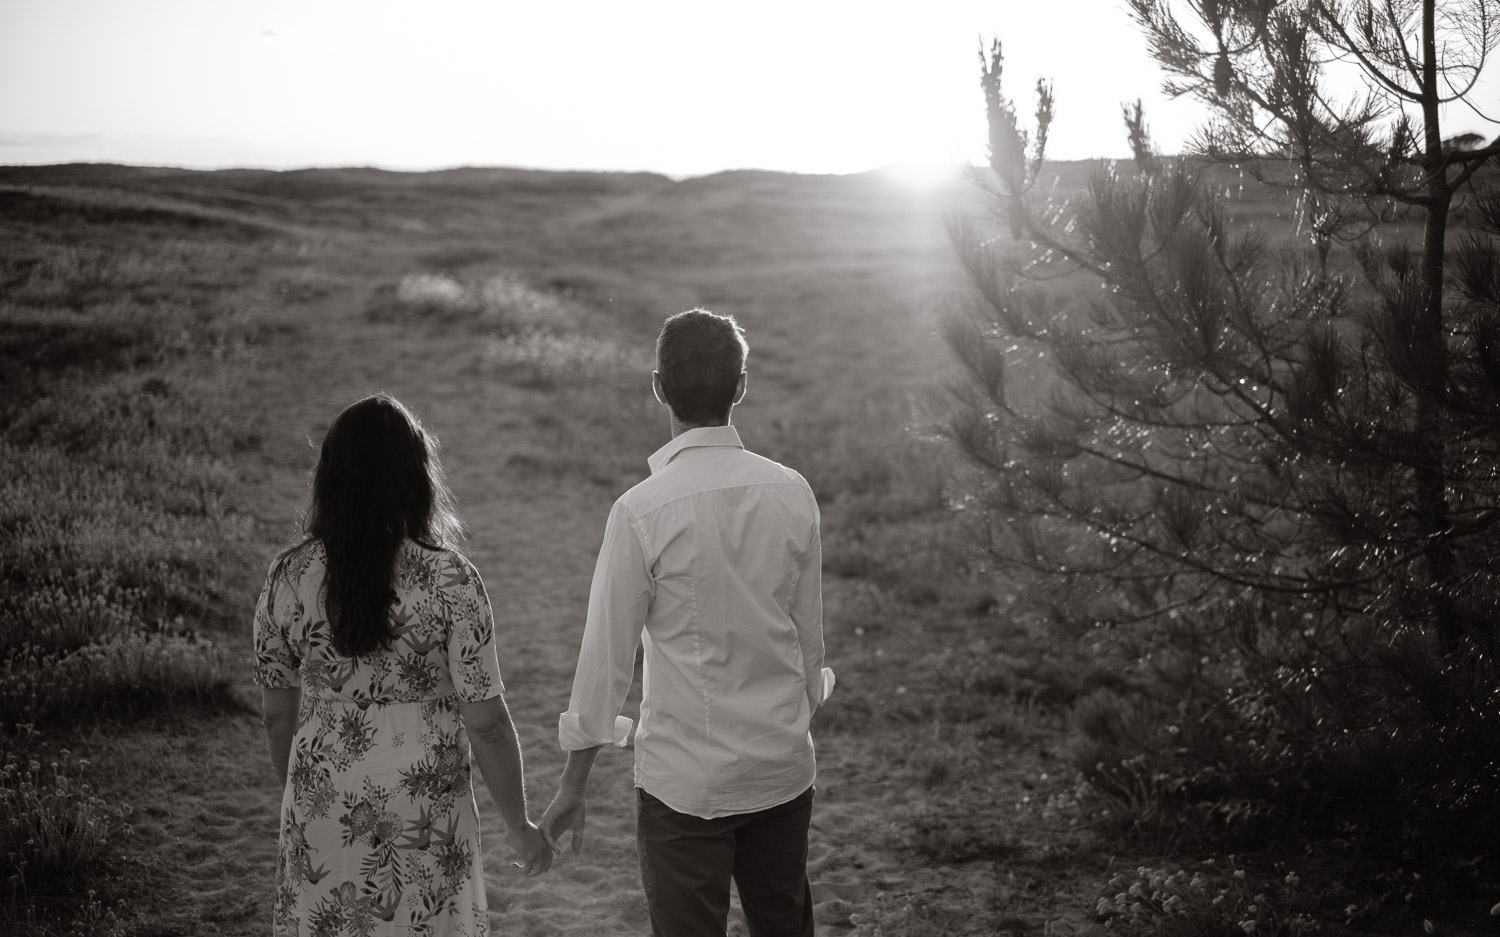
x: 714, y: 565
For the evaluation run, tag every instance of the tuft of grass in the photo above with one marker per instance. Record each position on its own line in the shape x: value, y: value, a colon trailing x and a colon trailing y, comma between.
x: 57, y: 835
x: 52, y: 826
x: 122, y: 675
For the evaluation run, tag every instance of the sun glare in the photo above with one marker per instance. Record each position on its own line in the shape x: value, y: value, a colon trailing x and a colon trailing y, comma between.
x: 923, y: 177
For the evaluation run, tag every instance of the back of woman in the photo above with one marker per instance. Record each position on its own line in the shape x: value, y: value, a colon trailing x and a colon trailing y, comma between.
x: 372, y: 640
x: 440, y: 621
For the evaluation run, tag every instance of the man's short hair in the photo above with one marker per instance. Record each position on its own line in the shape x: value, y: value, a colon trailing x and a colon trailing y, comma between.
x: 700, y: 356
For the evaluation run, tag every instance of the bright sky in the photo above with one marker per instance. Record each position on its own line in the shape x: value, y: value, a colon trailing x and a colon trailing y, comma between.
x: 678, y: 87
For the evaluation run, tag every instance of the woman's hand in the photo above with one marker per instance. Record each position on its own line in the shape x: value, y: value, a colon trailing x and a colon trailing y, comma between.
x: 529, y: 844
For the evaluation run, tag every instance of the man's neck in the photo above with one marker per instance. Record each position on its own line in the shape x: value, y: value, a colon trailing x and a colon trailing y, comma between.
x: 678, y: 427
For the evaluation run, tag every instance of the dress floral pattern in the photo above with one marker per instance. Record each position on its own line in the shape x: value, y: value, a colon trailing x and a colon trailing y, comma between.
x: 379, y: 830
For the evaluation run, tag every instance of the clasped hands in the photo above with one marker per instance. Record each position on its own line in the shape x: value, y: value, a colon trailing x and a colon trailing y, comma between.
x: 537, y: 843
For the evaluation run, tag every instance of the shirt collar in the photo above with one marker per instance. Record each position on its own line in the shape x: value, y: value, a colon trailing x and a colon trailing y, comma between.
x: 725, y: 435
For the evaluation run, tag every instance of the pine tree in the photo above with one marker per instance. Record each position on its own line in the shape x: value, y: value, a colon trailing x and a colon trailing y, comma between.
x: 1285, y: 457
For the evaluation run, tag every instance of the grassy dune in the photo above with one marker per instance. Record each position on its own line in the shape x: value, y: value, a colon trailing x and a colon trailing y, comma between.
x: 170, y: 343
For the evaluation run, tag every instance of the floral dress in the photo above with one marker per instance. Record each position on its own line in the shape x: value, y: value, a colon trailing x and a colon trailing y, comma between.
x: 379, y: 831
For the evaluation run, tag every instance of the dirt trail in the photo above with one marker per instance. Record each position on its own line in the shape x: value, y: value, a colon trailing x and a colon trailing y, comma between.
x: 534, y: 538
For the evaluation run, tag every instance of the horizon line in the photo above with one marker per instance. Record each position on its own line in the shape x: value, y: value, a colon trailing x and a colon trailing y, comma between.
x: 956, y: 167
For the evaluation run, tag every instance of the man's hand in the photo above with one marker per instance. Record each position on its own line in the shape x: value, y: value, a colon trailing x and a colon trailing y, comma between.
x: 566, y: 812
x: 533, y: 848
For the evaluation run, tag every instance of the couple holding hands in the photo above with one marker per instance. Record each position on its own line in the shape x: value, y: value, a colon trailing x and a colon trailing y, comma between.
x: 376, y: 655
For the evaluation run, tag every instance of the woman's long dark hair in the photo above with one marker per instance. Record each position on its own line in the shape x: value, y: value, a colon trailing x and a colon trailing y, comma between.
x: 378, y: 482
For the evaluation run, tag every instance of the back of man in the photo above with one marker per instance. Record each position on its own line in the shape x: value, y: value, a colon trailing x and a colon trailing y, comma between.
x: 729, y: 538
x: 713, y: 563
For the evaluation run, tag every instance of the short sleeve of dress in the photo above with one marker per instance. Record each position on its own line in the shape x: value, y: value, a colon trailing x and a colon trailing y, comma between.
x: 277, y: 665
x: 473, y: 661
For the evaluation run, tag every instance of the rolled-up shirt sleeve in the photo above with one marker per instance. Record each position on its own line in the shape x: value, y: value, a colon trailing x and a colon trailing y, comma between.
x: 807, y: 615
x: 619, y: 599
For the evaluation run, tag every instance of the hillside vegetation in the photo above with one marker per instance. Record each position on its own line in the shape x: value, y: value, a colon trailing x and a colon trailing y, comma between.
x: 172, y: 341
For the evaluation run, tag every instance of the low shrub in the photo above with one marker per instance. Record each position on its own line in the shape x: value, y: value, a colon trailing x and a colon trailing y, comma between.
x: 56, y: 837
x: 134, y: 529
x: 1181, y: 771
x: 1209, y: 902
x: 501, y: 303
x: 121, y: 675
x: 52, y: 826
x: 66, y: 612
x: 540, y: 359
x: 1231, y: 748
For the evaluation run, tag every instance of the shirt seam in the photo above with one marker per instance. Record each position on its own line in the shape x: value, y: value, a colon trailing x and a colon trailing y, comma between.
x: 643, y: 535
x: 725, y: 487
x: 701, y: 445
x: 697, y: 626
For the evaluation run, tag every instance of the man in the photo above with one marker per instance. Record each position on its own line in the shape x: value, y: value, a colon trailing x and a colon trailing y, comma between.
x: 714, y: 564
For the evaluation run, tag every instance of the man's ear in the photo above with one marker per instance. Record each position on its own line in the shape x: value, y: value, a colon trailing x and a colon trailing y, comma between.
x: 661, y: 397
x: 739, y: 392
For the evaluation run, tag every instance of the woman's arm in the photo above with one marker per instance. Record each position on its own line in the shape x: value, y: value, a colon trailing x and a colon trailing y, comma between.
x: 497, y: 751
x: 279, y: 707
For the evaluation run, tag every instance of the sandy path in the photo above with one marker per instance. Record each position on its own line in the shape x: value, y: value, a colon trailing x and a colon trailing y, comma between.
x: 534, y: 538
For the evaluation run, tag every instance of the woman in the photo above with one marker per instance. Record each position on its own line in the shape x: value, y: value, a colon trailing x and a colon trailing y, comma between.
x: 375, y: 650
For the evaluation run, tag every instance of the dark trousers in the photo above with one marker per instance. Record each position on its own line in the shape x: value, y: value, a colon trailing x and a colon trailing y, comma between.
x: 687, y: 862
